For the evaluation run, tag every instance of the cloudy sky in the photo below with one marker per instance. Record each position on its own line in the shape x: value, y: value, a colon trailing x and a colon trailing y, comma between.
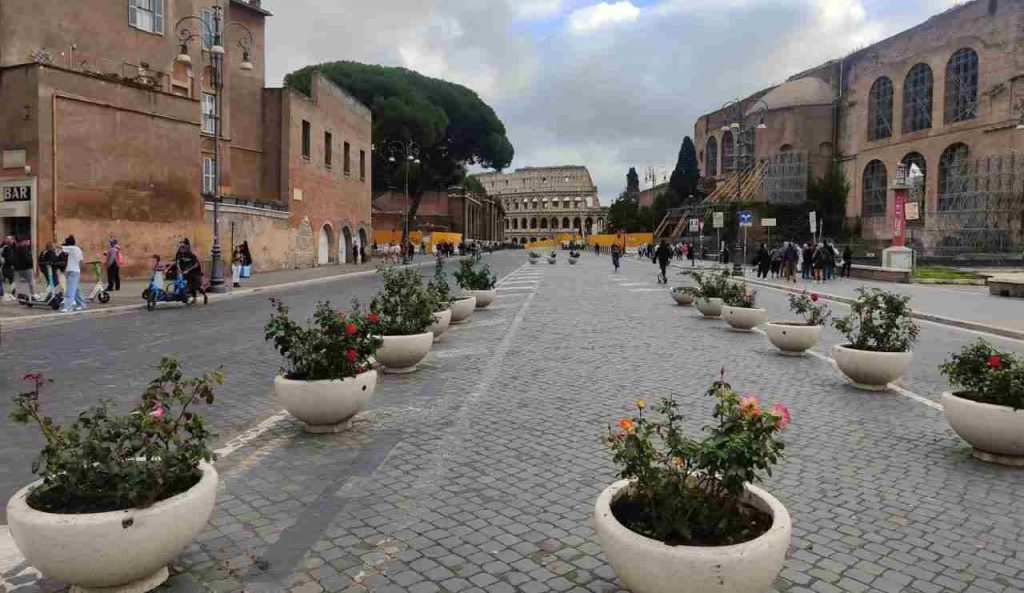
x: 607, y: 84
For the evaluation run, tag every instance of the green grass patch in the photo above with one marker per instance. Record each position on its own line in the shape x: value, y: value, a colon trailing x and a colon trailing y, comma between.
x: 943, y: 273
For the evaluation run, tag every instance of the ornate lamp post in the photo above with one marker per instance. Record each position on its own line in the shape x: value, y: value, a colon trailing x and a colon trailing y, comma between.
x: 741, y: 123
x: 210, y: 34
x: 409, y: 152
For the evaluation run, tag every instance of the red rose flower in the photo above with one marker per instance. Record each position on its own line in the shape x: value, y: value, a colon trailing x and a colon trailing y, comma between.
x: 994, y: 362
x: 374, y: 318
x: 814, y: 297
x: 352, y: 355
x: 351, y: 329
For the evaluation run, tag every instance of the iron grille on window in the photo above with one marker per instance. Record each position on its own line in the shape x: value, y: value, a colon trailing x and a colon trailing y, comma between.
x: 874, y: 189
x: 917, y: 99
x: 728, y: 146
x: 880, y: 109
x: 711, y: 157
x: 962, y: 86
x: 953, y: 178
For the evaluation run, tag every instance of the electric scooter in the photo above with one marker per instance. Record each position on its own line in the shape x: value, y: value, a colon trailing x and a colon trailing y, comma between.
x: 99, y: 291
x: 53, y: 297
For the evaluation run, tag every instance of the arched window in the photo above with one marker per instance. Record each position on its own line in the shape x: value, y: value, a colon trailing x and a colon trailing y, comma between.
x: 785, y: 148
x: 522, y: 224
x: 565, y: 222
x: 711, y: 158
x: 917, y: 99
x: 728, y: 146
x: 576, y: 224
x: 915, y: 159
x: 874, y: 189
x: 566, y: 204
x: 962, y: 86
x: 954, y: 175
x: 533, y: 223
x: 515, y: 224
x: 880, y: 109
x: 543, y: 223
x: 554, y: 223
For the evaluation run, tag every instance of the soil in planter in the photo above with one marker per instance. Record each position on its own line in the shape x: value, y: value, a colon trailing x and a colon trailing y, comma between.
x: 980, y: 398
x: 748, y: 524
x: 56, y: 498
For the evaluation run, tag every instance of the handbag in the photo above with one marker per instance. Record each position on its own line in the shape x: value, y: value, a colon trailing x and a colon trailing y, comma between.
x: 119, y: 258
x: 246, y: 271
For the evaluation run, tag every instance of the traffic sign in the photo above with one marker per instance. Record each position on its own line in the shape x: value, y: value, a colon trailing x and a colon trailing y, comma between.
x: 768, y: 222
x: 694, y: 225
x: 746, y: 216
x: 813, y: 216
x: 719, y: 220
x: 746, y: 223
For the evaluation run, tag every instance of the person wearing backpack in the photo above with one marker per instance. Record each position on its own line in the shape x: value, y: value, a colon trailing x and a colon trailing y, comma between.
x: 115, y: 259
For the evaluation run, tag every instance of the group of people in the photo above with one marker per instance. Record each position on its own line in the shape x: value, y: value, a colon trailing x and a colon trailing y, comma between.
x: 816, y: 261
x: 17, y: 270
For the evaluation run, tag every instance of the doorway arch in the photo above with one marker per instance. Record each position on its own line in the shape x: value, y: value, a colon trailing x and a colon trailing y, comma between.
x: 364, y: 243
x: 345, y: 246
x: 325, y: 244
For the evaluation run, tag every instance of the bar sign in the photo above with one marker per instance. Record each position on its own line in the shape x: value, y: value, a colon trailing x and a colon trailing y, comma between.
x: 17, y: 193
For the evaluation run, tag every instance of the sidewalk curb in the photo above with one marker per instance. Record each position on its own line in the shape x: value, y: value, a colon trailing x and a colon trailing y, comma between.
x: 29, y: 322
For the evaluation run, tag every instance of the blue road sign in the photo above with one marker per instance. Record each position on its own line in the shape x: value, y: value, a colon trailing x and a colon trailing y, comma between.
x: 746, y: 216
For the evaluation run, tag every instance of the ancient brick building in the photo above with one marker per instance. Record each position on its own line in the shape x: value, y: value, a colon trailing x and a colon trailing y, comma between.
x: 546, y: 202
x: 477, y: 217
x: 108, y: 132
x: 944, y: 98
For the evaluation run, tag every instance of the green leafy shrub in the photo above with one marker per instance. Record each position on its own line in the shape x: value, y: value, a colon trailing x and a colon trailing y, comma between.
x: 879, y: 321
x: 404, y: 305
x: 687, y: 491
x: 737, y: 295
x: 713, y: 285
x: 808, y: 307
x: 438, y: 288
x: 533, y: 254
x: 983, y: 374
x: 334, y: 345
x: 471, y: 277
x: 106, y: 462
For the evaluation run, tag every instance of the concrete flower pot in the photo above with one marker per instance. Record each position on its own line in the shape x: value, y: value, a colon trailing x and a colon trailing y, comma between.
x: 573, y: 261
x: 483, y: 297
x: 442, y: 320
x: 129, y: 549
x: 743, y: 319
x: 401, y: 354
x: 326, y: 406
x: 552, y: 260
x: 793, y: 338
x: 462, y: 309
x: 534, y: 260
x: 995, y: 432
x: 682, y: 297
x: 646, y: 565
x: 871, y: 371
x: 709, y: 308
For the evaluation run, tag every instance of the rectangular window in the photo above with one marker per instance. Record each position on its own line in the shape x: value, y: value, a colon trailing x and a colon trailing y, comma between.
x: 348, y: 159
x: 209, y: 16
x: 209, y: 176
x: 362, y: 165
x: 209, y: 113
x: 146, y: 15
x: 328, y: 149
x: 307, y: 132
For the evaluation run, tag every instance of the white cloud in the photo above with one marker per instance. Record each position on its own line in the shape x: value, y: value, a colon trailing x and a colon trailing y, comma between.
x: 537, y: 9
x: 599, y: 16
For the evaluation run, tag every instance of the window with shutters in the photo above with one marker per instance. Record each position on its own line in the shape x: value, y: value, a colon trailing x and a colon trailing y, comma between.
x: 146, y: 15
x: 209, y: 176
x: 209, y: 113
x: 209, y: 17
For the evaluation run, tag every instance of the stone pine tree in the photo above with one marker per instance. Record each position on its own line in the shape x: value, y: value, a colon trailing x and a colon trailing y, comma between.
x: 632, y: 185
x: 683, y: 182
x: 450, y: 124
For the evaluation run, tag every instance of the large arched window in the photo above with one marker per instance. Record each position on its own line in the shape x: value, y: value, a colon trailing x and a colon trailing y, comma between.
x: 565, y: 222
x: 711, y: 157
x: 728, y: 148
x: 954, y: 175
x: 874, y: 189
x: 543, y: 223
x: 533, y: 223
x: 880, y: 109
x: 915, y: 159
x: 917, y: 99
x: 523, y: 224
x: 554, y: 223
x: 962, y: 86
x: 515, y: 224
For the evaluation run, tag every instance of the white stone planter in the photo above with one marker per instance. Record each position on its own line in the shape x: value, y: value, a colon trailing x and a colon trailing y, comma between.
x: 573, y: 261
x: 995, y: 432
x: 325, y: 406
x: 646, y: 565
x: 534, y: 260
x: 401, y: 354
x: 682, y: 297
x: 743, y: 319
x: 442, y: 320
x: 462, y: 309
x: 483, y: 297
x: 129, y: 550
x: 710, y: 308
x: 552, y: 260
x: 793, y: 338
x: 872, y: 371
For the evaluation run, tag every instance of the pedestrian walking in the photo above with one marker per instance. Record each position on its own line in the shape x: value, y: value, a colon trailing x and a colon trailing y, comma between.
x: 662, y: 255
x: 24, y: 269
x: 115, y: 259
x: 355, y: 254
x: 819, y: 260
x: 48, y: 266
x: 73, y: 300
x: 790, y: 254
x: 615, y: 257
x: 246, y: 255
x: 763, y: 261
x: 362, y: 253
x: 236, y: 267
x: 847, y: 262
x: 6, y: 267
x: 775, y: 261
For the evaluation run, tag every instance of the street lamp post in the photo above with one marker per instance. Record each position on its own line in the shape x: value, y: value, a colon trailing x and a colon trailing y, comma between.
x: 410, y: 153
x: 210, y: 36
x: 740, y: 123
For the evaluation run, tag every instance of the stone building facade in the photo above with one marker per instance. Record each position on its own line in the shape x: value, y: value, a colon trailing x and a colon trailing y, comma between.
x: 944, y: 98
x: 107, y: 133
x: 544, y: 202
x: 478, y: 218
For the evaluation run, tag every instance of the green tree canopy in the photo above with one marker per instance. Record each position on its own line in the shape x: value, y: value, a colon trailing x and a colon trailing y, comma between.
x: 628, y: 216
x: 683, y: 182
x: 632, y: 183
x: 452, y: 126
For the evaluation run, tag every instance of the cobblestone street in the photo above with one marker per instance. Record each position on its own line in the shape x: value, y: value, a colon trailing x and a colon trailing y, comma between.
x: 480, y: 471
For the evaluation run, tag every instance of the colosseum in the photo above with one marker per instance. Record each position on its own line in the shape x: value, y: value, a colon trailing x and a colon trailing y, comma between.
x: 544, y: 202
